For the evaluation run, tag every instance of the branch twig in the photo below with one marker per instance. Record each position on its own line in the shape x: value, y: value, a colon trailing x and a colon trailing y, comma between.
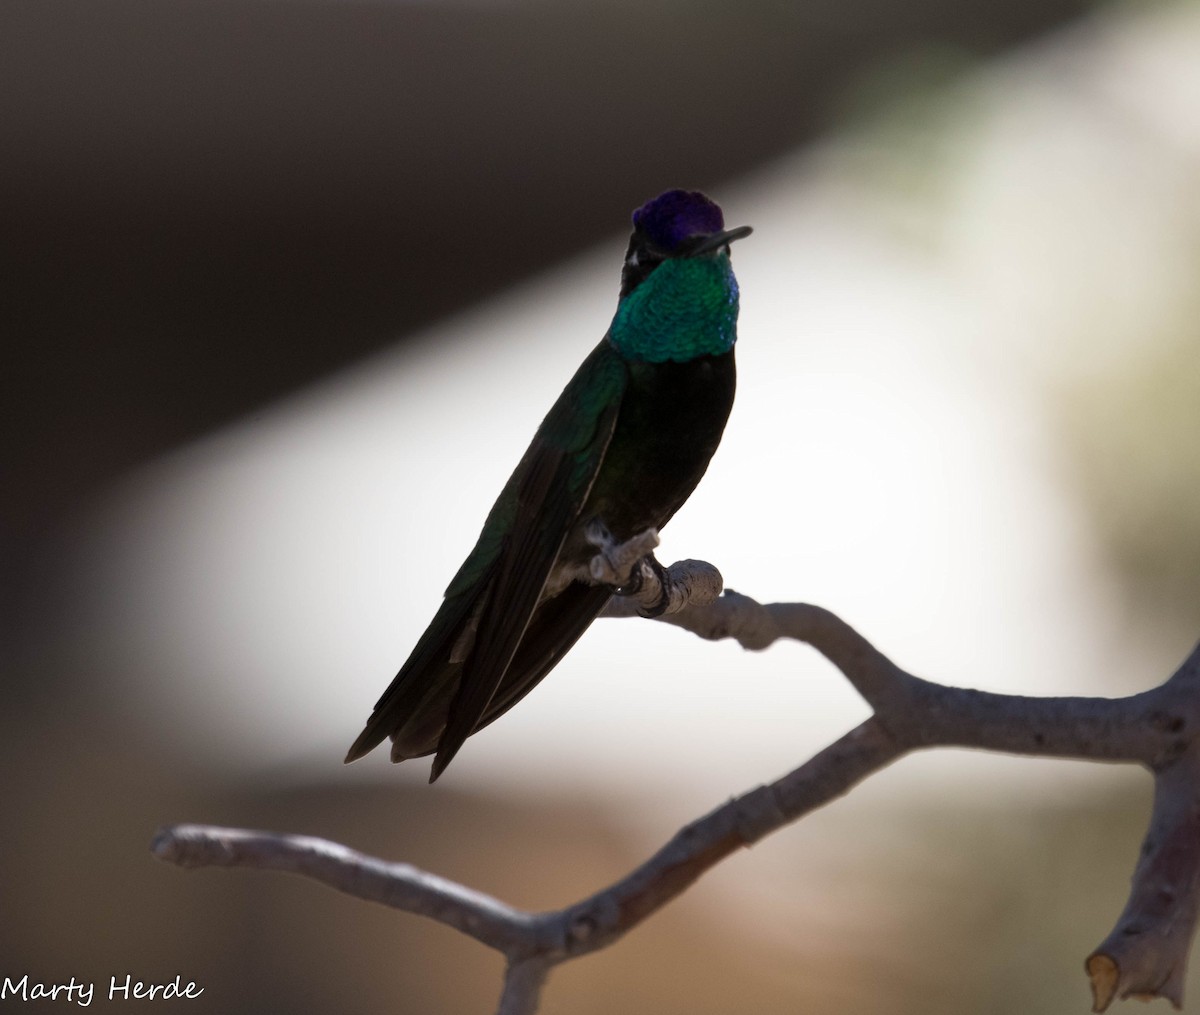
x: 1145, y: 955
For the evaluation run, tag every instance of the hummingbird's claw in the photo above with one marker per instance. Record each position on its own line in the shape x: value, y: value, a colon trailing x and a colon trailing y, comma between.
x: 616, y: 562
x: 645, y: 567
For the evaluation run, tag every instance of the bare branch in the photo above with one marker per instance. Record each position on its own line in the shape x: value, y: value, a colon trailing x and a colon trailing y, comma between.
x: 398, y: 885
x: 604, y: 917
x: 1145, y: 955
x: 523, y: 981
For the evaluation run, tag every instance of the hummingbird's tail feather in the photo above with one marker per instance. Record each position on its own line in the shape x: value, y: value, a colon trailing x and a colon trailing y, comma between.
x: 413, y: 708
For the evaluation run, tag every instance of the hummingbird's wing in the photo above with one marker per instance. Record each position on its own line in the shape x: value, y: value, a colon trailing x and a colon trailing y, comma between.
x: 555, y: 478
x: 442, y: 693
x: 556, y: 625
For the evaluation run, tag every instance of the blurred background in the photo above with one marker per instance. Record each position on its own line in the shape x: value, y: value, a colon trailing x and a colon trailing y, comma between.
x: 288, y: 285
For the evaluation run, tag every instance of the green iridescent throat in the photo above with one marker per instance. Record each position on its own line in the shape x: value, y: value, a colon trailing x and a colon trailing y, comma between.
x: 685, y: 308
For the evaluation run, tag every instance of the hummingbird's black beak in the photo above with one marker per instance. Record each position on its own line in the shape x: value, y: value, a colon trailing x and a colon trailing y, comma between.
x: 715, y: 241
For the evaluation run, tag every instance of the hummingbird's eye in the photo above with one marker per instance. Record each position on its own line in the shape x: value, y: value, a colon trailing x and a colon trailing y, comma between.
x: 644, y: 259
x: 640, y: 261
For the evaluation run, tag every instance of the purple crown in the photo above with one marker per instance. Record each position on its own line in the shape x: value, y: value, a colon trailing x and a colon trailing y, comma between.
x: 673, y: 216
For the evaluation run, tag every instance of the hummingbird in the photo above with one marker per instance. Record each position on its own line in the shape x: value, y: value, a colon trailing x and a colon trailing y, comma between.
x: 623, y: 447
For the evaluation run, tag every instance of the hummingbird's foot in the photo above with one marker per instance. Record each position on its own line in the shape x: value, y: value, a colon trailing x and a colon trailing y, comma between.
x: 633, y: 586
x: 649, y: 572
x: 659, y: 591
x: 617, y: 563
